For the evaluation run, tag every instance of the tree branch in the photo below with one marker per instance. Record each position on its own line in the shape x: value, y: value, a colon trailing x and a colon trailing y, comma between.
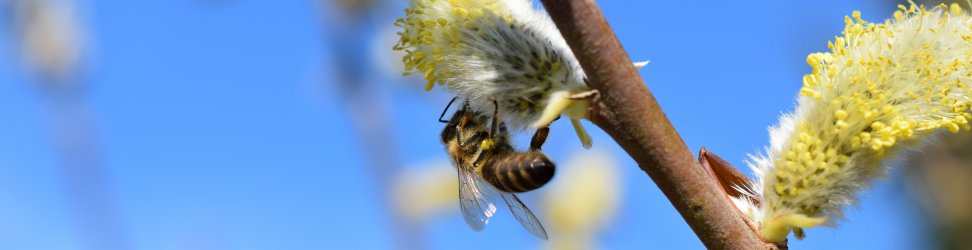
x: 628, y: 112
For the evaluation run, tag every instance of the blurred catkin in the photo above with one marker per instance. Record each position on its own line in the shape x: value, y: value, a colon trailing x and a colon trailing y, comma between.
x: 582, y: 200
x: 421, y: 192
x: 50, y: 37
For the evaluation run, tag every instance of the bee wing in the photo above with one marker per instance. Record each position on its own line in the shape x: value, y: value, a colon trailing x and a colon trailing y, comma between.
x: 524, y: 215
x: 473, y: 199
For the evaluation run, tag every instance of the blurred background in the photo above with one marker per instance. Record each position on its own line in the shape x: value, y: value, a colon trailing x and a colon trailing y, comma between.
x: 241, y: 124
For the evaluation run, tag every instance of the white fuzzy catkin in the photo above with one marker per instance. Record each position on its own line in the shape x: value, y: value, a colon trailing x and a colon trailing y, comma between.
x: 882, y: 90
x: 502, y: 50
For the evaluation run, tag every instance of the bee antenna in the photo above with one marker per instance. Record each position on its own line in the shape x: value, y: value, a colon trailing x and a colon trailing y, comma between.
x: 447, y: 109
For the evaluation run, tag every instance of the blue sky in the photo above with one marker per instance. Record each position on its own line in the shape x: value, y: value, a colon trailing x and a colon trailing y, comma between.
x: 221, y: 126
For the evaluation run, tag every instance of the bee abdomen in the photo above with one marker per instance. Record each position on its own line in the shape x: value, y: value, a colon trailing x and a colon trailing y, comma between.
x: 519, y: 172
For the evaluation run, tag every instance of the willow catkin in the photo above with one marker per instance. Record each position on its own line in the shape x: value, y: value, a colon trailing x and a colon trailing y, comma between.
x: 883, y: 89
x: 502, y: 50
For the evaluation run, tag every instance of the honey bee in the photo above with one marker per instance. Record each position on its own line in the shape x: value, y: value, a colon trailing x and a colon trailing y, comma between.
x: 490, y: 166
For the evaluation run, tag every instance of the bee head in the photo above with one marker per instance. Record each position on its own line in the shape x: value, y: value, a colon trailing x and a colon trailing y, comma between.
x: 448, y: 133
x: 459, y: 119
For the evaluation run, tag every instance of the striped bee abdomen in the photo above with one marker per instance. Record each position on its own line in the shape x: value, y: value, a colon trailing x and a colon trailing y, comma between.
x: 518, y: 172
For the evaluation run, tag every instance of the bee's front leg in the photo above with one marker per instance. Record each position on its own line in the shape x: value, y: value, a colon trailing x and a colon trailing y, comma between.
x: 493, y: 125
x: 539, y: 137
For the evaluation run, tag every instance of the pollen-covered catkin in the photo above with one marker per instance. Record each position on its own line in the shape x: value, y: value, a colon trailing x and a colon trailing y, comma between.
x: 502, y: 50
x: 883, y: 89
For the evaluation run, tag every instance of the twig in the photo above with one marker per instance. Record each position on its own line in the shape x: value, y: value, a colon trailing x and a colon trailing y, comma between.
x: 367, y: 110
x: 80, y: 153
x: 628, y: 112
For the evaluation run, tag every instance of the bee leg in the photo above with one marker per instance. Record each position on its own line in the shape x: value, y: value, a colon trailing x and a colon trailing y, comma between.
x: 486, y: 144
x: 539, y: 138
x: 458, y: 134
x: 798, y: 232
x: 493, y: 125
x: 461, y: 124
x: 459, y: 150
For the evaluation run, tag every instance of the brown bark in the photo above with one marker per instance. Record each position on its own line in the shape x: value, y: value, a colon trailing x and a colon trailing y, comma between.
x: 628, y: 112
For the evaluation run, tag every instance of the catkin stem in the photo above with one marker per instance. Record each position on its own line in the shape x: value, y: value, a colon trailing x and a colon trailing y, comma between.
x: 628, y: 112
